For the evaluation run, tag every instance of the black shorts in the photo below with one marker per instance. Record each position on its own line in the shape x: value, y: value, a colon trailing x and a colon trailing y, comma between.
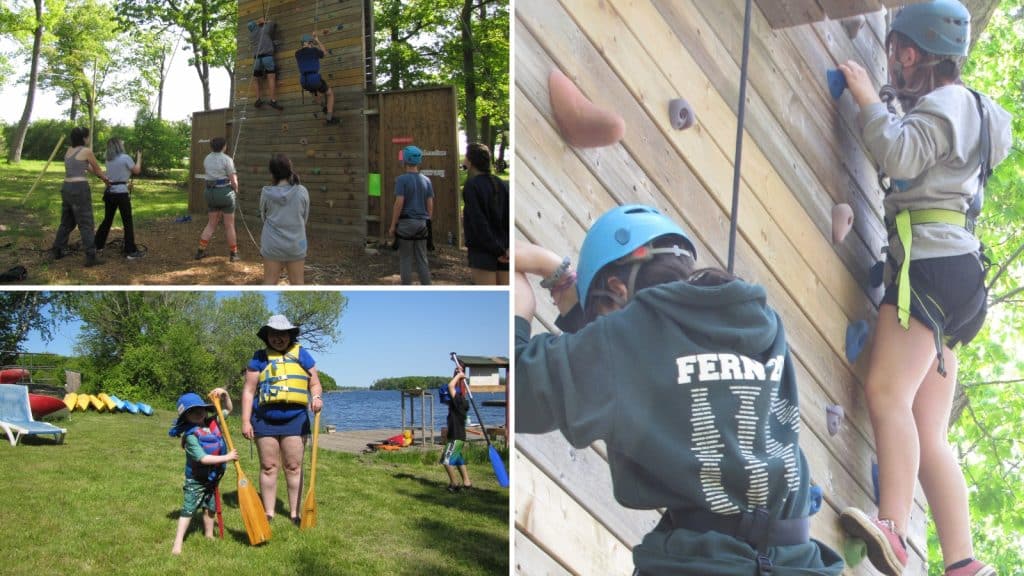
x: 947, y: 293
x: 485, y: 261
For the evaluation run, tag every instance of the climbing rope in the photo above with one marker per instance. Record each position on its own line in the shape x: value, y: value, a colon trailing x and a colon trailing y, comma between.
x: 741, y: 113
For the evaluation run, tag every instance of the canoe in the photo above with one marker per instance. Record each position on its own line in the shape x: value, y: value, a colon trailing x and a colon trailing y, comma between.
x: 131, y: 407
x: 70, y: 400
x: 13, y: 375
x: 118, y: 402
x: 145, y: 408
x: 42, y: 405
x: 110, y: 404
x: 97, y: 404
x: 82, y: 402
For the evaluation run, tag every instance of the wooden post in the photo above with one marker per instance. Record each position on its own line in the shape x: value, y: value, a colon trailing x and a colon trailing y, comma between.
x: 45, y: 168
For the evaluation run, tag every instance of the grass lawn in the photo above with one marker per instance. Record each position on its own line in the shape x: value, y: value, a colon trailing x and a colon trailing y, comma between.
x: 107, y: 502
x: 37, y: 216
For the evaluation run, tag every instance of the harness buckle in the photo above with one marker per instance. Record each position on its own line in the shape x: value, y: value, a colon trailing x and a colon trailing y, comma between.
x: 764, y: 565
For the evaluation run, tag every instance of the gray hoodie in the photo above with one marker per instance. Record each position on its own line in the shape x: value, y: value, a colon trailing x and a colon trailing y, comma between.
x: 935, y: 150
x: 285, y: 211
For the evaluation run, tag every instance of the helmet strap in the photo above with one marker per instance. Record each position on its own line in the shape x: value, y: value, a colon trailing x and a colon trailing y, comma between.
x: 637, y: 259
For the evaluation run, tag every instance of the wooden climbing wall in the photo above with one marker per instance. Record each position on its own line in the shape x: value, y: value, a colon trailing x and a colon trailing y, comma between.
x: 331, y: 160
x: 802, y: 155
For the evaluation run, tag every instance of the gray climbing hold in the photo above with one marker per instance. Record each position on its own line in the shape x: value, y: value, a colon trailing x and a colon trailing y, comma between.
x: 834, y: 418
x: 681, y: 114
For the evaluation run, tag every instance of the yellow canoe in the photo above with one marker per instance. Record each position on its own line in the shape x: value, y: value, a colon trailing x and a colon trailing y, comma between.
x: 70, y: 400
x: 82, y: 402
x: 110, y: 404
x: 97, y: 404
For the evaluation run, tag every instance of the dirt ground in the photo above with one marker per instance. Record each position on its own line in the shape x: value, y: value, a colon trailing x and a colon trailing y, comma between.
x: 170, y: 246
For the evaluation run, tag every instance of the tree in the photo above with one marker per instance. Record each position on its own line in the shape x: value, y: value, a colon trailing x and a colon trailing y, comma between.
x: 317, y: 313
x: 208, y: 27
x: 20, y: 313
x: 33, y: 78
x: 406, y: 58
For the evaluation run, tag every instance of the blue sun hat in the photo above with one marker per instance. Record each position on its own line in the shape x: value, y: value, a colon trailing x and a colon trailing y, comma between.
x: 186, y: 402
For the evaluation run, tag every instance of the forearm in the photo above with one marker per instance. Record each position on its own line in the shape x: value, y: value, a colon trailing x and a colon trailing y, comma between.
x: 248, y: 393
x: 526, y: 303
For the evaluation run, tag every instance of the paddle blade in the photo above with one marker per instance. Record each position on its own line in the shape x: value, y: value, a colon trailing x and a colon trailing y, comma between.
x: 308, y: 511
x: 253, y: 515
x: 499, y: 467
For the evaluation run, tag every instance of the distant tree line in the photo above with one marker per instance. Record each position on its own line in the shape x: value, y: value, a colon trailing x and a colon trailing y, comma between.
x: 409, y: 382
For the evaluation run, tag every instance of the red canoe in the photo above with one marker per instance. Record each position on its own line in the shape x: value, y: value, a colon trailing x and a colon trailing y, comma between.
x: 42, y: 405
x: 13, y: 375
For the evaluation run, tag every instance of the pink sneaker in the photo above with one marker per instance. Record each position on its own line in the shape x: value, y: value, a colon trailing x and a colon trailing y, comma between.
x: 975, y: 568
x: 886, y: 550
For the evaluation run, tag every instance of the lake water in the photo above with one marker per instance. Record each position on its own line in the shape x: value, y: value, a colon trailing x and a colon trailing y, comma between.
x: 376, y: 409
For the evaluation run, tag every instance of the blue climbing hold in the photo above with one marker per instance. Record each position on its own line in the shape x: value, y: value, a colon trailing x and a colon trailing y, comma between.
x: 815, y: 498
x: 856, y: 337
x: 874, y: 480
x: 836, y: 82
x: 877, y: 274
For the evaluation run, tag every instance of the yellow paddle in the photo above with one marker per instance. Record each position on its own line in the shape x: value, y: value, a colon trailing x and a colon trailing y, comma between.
x: 309, y: 504
x: 253, y: 515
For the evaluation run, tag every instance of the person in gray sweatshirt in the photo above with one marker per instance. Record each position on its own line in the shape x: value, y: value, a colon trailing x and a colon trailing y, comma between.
x: 686, y: 376
x: 938, y: 154
x: 284, y: 208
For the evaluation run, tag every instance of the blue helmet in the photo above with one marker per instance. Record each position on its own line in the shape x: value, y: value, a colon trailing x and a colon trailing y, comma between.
x: 940, y: 27
x: 412, y: 155
x: 617, y: 234
x: 251, y: 25
x: 307, y: 38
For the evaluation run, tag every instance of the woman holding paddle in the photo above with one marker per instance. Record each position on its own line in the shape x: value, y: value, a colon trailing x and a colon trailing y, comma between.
x: 281, y: 386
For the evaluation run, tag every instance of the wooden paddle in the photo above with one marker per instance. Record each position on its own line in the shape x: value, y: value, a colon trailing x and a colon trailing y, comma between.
x: 309, y: 504
x: 253, y: 515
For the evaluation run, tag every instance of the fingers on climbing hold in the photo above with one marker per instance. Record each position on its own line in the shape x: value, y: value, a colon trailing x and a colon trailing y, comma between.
x: 834, y: 415
x: 842, y: 222
x: 836, y: 83
x: 856, y: 338
x: 681, y: 114
x: 877, y: 273
x: 582, y: 123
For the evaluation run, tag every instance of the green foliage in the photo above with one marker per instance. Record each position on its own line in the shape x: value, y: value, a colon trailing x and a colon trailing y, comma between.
x: 318, y: 315
x: 165, y: 145
x: 409, y: 382
x: 327, y: 381
x: 21, y: 312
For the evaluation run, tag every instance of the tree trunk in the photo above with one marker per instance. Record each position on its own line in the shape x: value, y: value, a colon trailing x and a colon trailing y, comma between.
x: 33, y: 77
x: 231, y: 87
x: 485, y: 132
x: 468, y: 71
x: 160, y: 88
x: 394, y: 63
x: 73, y: 113
x: 503, y: 141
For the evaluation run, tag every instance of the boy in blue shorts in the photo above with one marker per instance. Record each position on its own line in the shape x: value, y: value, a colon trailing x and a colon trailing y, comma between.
x: 452, y: 457
x: 206, y: 457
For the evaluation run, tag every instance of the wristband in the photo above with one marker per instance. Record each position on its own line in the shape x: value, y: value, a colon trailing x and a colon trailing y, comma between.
x: 556, y: 276
x: 568, y: 281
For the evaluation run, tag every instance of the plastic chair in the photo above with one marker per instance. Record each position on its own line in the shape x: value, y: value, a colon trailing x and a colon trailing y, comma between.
x: 16, y: 416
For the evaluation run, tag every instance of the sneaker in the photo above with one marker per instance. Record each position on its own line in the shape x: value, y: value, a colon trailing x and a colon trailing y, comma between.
x: 886, y: 549
x: 975, y: 568
x: 91, y: 260
x: 453, y: 488
x: 234, y: 257
x: 200, y: 254
x: 275, y: 105
x: 134, y: 255
x: 58, y: 253
x: 258, y: 103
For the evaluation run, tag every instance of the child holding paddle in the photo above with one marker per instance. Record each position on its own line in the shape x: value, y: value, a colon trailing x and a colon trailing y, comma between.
x: 686, y: 375
x: 452, y: 459
x: 206, y: 456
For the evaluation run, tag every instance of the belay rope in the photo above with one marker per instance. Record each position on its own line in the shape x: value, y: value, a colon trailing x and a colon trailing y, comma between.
x: 740, y: 115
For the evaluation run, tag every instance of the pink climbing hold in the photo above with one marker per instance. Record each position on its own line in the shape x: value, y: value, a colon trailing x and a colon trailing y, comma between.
x: 582, y: 123
x: 842, y: 222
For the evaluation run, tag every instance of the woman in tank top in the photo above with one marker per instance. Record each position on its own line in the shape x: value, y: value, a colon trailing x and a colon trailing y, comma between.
x: 76, y: 198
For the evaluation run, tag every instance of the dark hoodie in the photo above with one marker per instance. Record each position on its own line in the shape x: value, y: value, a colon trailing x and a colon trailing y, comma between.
x: 693, y: 391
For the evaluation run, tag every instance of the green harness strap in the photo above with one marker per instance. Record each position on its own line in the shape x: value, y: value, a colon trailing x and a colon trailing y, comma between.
x: 904, y: 220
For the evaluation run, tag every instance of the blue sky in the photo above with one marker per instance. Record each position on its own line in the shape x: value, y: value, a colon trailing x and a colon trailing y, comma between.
x: 390, y: 333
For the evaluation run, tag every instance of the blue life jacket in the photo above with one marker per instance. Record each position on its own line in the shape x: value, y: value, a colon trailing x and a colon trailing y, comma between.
x: 213, y: 444
x: 443, y: 395
x: 308, y: 60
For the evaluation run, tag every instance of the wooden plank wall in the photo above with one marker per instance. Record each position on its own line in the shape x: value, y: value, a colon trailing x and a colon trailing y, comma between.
x: 427, y: 118
x: 205, y: 127
x: 802, y: 154
x: 331, y: 160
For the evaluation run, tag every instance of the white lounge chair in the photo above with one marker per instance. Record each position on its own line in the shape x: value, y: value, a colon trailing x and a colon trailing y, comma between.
x: 16, y: 416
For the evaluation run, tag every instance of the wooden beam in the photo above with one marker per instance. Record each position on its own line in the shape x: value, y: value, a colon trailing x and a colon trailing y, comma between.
x: 786, y: 13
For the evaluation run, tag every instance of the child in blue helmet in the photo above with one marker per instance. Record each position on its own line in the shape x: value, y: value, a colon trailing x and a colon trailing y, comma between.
x: 308, y: 59
x: 410, y: 217
x: 707, y: 428
x: 206, y: 456
x: 938, y: 154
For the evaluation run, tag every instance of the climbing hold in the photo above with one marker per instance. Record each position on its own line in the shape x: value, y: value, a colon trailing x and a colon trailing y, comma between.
x: 877, y: 273
x: 814, y: 499
x: 680, y: 114
x: 580, y: 121
x: 854, y: 551
x: 853, y: 25
x: 330, y: 203
x: 303, y: 141
x: 310, y: 153
x: 833, y: 418
x: 284, y: 127
x: 316, y: 171
x: 856, y: 337
x: 842, y: 222
x: 874, y: 480
x: 323, y: 188
x: 255, y: 170
x: 836, y: 83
